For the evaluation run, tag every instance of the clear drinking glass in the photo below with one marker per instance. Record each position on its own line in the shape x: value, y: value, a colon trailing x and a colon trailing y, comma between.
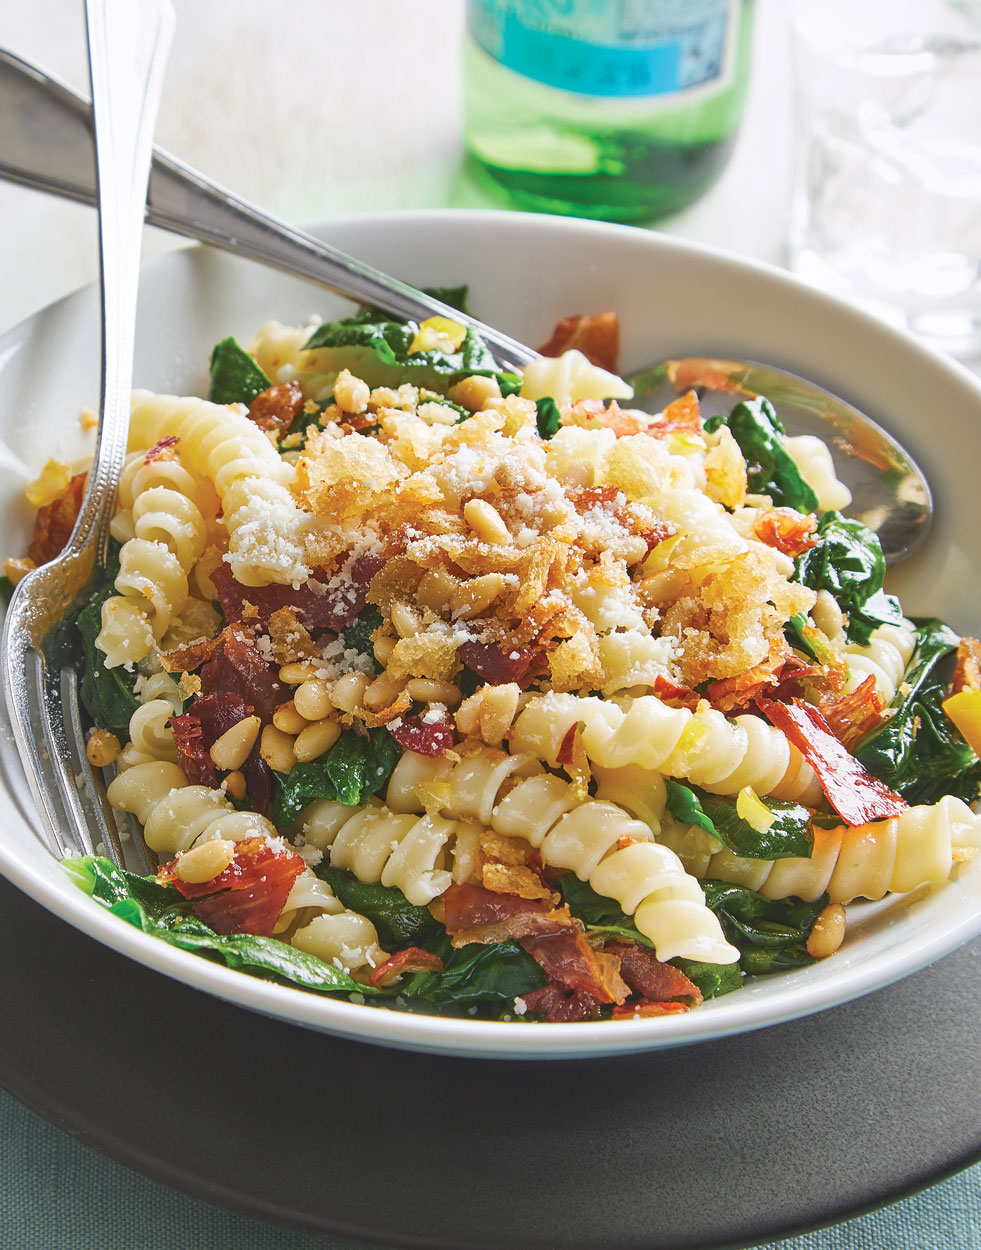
x: 887, y: 200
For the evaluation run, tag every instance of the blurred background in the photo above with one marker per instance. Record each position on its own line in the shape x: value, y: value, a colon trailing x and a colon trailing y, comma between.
x: 316, y: 110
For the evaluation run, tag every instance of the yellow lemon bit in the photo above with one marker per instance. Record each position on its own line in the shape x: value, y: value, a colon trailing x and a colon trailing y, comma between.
x: 751, y: 808
x: 964, y: 709
x: 438, y: 334
x: 52, y: 482
x: 681, y: 442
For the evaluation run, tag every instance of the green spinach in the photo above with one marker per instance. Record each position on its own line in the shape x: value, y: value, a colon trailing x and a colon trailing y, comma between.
x: 918, y: 751
x: 352, y: 771
x: 770, y: 934
x: 788, y: 835
x: 106, y: 693
x: 757, y: 429
x: 161, y: 912
x: 475, y: 974
x: 235, y: 376
x: 849, y: 563
x: 398, y: 922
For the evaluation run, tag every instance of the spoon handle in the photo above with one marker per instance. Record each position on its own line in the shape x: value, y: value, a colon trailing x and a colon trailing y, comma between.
x: 128, y: 45
x: 49, y: 147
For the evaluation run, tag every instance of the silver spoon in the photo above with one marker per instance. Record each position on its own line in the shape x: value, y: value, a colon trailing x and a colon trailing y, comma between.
x: 47, y: 144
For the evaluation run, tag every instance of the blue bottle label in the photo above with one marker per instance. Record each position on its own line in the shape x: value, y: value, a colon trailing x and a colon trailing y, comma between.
x: 612, y: 48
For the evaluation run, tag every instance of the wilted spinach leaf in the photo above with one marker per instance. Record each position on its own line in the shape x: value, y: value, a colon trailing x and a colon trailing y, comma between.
x: 235, y: 376
x: 352, y: 771
x: 770, y: 934
x: 357, y: 635
x: 475, y: 974
x: 788, y: 835
x: 548, y: 416
x: 106, y: 693
x: 162, y: 912
x: 849, y: 563
x: 398, y: 922
x: 918, y: 751
x: 757, y: 429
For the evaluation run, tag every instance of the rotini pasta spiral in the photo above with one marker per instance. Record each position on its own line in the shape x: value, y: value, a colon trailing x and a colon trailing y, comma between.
x: 177, y: 816
x: 406, y: 851
x: 266, y: 527
x: 166, y: 535
x: 703, y: 746
x: 597, y: 840
x: 919, y: 847
x: 150, y: 732
x: 885, y: 658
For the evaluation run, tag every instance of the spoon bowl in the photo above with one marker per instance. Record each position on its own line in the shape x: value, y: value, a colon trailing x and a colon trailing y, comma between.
x: 890, y: 492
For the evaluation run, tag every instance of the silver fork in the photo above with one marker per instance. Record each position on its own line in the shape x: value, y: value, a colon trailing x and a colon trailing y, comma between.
x: 128, y: 45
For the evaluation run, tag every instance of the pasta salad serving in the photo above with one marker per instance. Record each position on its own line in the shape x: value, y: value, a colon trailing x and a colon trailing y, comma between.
x: 445, y: 689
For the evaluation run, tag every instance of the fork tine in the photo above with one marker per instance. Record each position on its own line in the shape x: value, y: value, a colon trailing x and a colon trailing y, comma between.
x: 60, y: 755
x: 94, y: 787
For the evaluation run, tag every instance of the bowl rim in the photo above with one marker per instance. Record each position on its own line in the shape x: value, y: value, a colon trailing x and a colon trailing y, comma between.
x: 478, y: 1038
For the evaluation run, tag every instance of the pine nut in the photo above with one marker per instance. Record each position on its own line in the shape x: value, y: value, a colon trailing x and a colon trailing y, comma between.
x: 311, y: 699
x: 383, y: 648
x: 382, y: 692
x: 476, y: 595
x: 288, y: 719
x: 828, y: 932
x: 435, y: 589
x: 350, y: 392
x: 348, y: 691
x: 317, y: 738
x: 235, y: 786
x: 205, y: 861
x: 497, y: 709
x: 474, y: 393
x: 102, y: 748
x: 405, y: 619
x: 293, y: 674
x: 276, y: 748
x: 232, y: 749
x: 425, y: 691
x: 486, y: 522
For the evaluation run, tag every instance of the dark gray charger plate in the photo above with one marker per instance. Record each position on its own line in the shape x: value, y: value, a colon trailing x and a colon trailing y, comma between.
x: 721, y: 1144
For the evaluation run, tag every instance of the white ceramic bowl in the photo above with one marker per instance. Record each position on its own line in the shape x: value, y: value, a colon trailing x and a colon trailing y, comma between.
x: 525, y: 272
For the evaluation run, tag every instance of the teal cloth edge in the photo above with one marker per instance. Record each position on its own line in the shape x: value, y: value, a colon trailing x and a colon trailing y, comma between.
x: 57, y: 1192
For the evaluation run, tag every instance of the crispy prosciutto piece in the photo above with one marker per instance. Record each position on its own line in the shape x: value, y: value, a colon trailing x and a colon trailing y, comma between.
x: 412, y: 959
x: 569, y: 960
x: 329, y: 601
x: 557, y: 1005
x: 738, y: 692
x: 498, y: 666
x: 644, y: 1007
x: 787, y: 530
x: 852, y: 791
x: 416, y: 735
x: 649, y: 977
x: 248, y: 896
x: 54, y: 522
x: 197, y: 730
x: 855, y: 714
x: 967, y: 671
x: 597, y: 337
x: 277, y: 407
x: 235, y: 666
x: 676, y: 696
x: 475, y: 914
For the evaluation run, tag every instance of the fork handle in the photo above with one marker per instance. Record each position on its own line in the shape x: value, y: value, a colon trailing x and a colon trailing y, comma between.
x: 49, y: 147
x: 128, y: 47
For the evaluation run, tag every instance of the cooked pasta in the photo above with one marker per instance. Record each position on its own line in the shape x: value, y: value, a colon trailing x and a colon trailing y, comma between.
x: 920, y: 847
x: 595, y: 839
x: 443, y: 694
x: 720, y: 754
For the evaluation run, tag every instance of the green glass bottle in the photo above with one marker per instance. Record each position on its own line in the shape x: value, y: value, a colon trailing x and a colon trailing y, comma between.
x: 623, y: 110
